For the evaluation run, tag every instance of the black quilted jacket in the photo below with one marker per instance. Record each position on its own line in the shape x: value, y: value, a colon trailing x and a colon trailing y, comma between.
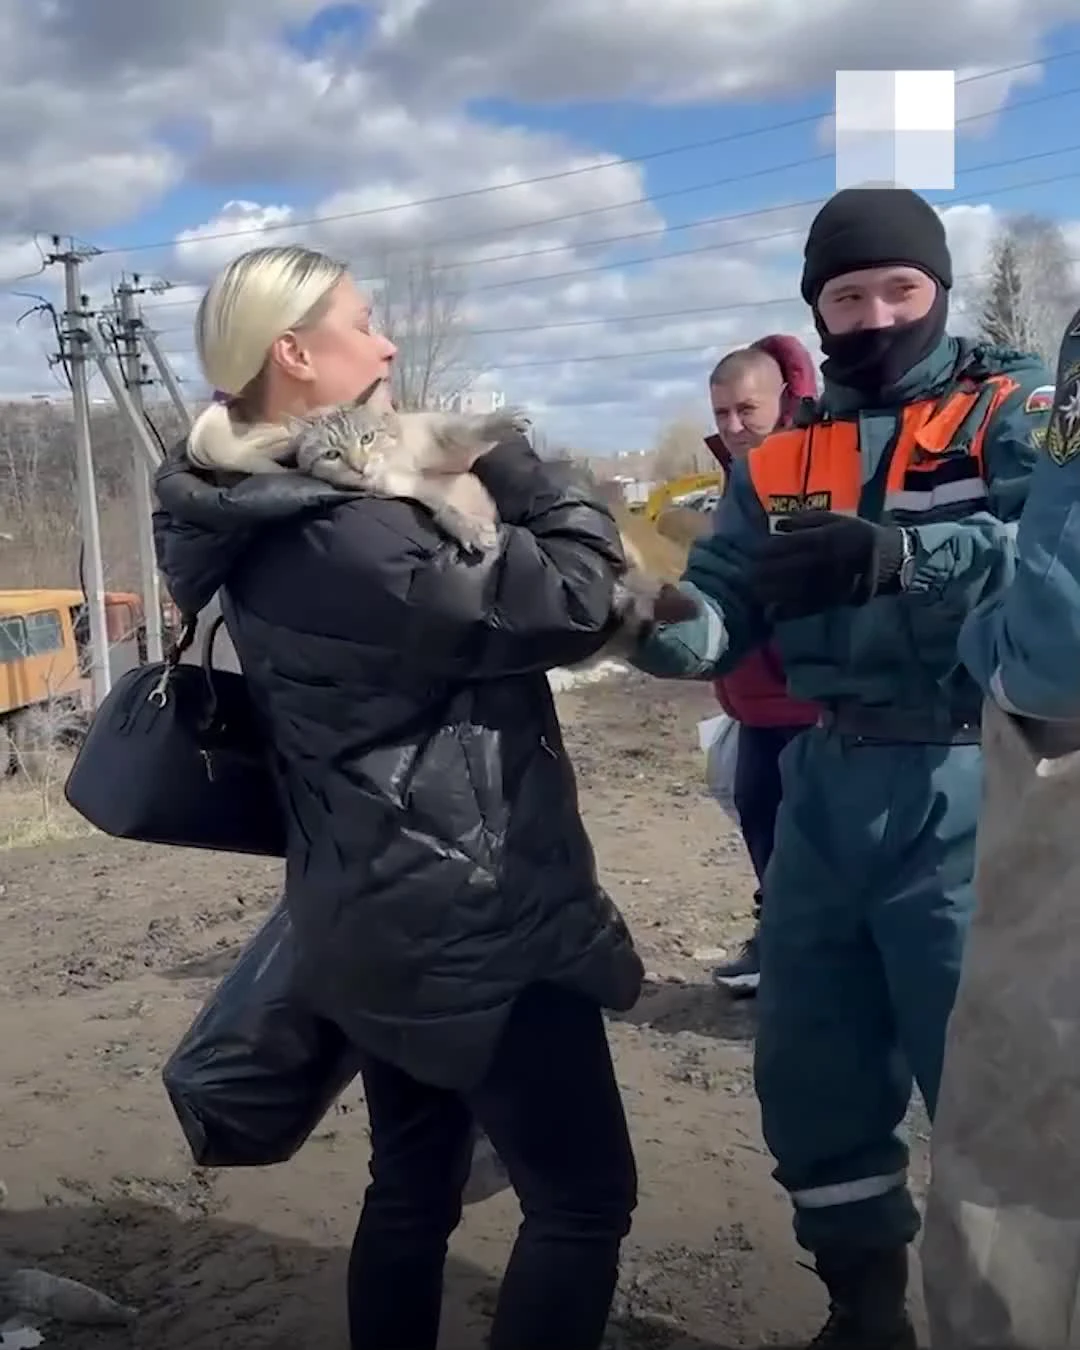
x: 437, y: 859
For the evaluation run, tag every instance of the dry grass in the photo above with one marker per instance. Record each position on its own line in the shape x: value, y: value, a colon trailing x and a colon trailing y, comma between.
x: 33, y: 810
x: 683, y: 526
x: 664, y: 557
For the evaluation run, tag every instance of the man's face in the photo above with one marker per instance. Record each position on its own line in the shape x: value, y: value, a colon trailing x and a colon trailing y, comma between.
x: 746, y: 408
x: 876, y: 297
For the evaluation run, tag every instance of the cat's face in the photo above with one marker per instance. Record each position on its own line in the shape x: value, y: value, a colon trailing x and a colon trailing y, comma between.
x: 344, y: 441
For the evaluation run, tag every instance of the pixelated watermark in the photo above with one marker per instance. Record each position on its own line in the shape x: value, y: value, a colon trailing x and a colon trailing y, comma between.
x: 896, y: 128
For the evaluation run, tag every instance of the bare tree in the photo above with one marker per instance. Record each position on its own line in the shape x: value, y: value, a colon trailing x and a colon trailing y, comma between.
x: 420, y: 311
x: 681, y: 450
x: 1030, y: 292
x: 38, y: 501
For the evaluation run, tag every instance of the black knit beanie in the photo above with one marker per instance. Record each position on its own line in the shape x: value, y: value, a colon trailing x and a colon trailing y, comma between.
x: 874, y: 227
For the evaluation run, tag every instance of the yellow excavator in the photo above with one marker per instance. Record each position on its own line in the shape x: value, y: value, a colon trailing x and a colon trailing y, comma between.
x: 674, y: 515
x: 695, y: 490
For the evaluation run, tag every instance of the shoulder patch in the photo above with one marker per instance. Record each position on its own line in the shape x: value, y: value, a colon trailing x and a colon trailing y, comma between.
x: 1063, y: 433
x: 788, y: 503
x: 1040, y: 400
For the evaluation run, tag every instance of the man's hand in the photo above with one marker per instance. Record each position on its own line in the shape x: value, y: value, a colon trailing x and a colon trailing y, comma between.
x: 673, y: 605
x: 686, y: 638
x: 819, y: 560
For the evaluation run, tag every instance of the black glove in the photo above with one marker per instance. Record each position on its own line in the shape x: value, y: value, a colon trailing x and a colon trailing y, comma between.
x: 820, y: 560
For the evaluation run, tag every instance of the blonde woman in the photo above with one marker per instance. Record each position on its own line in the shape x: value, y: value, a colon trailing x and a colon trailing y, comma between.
x: 440, y: 881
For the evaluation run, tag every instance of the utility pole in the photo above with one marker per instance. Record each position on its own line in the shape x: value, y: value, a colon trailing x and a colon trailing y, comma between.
x: 168, y: 377
x: 135, y: 379
x: 118, y: 389
x: 73, y: 357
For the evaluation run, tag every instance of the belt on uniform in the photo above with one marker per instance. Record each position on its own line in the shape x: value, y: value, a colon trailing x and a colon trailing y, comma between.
x: 898, y: 726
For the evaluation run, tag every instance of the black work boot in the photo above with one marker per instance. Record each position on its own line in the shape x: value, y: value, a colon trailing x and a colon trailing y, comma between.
x: 867, y: 1301
x: 741, y: 974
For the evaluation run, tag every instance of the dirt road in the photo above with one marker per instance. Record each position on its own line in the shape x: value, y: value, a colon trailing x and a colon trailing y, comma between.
x: 108, y: 951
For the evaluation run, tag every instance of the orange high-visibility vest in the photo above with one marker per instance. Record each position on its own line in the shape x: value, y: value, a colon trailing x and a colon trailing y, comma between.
x: 937, y: 462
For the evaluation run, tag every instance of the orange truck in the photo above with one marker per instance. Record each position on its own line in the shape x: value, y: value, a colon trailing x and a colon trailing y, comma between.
x: 45, y: 687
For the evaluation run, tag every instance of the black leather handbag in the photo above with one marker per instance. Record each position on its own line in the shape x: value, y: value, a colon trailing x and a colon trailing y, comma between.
x: 176, y: 755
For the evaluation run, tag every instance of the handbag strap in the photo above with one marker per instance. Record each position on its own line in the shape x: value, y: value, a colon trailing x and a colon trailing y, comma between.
x: 185, y: 639
x: 209, y: 639
x: 188, y: 627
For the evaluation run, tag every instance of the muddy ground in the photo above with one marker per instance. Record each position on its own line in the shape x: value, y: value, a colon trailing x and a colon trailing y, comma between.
x: 108, y: 951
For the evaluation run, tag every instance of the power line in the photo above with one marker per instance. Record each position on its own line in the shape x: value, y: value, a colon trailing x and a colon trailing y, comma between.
x: 618, y: 264
x: 608, y: 319
x: 729, y: 308
x: 513, y: 329
x: 716, y: 309
x: 725, y: 219
x: 665, y: 195
x: 43, y: 265
x: 456, y: 265
x: 700, y: 223
x: 716, y: 246
x: 666, y: 151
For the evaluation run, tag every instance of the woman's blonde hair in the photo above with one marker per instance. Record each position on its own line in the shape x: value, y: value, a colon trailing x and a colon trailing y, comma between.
x: 258, y: 297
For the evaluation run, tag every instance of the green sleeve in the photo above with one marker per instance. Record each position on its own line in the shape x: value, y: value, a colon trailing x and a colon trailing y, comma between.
x: 964, y: 560
x: 1022, y: 644
x: 730, y: 623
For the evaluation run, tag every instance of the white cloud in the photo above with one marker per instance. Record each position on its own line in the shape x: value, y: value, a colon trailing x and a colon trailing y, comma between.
x: 104, y: 116
x: 687, y: 50
x: 204, y: 249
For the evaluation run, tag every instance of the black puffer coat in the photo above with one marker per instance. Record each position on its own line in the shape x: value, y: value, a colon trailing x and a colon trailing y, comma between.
x: 437, y: 859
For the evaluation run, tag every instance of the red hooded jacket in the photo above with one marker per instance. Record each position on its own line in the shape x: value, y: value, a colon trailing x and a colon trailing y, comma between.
x: 755, y: 693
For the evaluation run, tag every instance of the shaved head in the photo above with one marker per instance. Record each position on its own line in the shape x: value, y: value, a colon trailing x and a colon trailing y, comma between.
x: 747, y: 361
x: 746, y: 388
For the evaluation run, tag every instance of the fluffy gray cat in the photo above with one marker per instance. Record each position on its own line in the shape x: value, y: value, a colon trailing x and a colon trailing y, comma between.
x: 421, y: 456
x: 426, y: 457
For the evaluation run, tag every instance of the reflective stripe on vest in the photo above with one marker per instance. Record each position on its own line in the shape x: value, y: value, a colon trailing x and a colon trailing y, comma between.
x: 936, y: 463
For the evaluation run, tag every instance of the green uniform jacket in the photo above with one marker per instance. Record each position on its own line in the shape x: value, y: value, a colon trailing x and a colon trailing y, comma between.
x: 1022, y: 645
x: 897, y: 651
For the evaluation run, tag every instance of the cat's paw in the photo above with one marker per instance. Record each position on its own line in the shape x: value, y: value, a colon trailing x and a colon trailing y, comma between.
x: 486, y: 536
x: 473, y: 533
x: 479, y: 536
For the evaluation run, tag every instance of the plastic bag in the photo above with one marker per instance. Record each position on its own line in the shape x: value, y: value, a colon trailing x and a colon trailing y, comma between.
x: 257, y: 1070
x: 488, y: 1175
x: 720, y: 741
x: 1001, y: 1246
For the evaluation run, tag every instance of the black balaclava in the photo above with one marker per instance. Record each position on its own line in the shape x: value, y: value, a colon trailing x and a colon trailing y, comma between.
x: 877, y: 227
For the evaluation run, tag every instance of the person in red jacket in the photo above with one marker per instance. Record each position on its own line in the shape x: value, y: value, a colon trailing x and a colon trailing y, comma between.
x: 756, y: 391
